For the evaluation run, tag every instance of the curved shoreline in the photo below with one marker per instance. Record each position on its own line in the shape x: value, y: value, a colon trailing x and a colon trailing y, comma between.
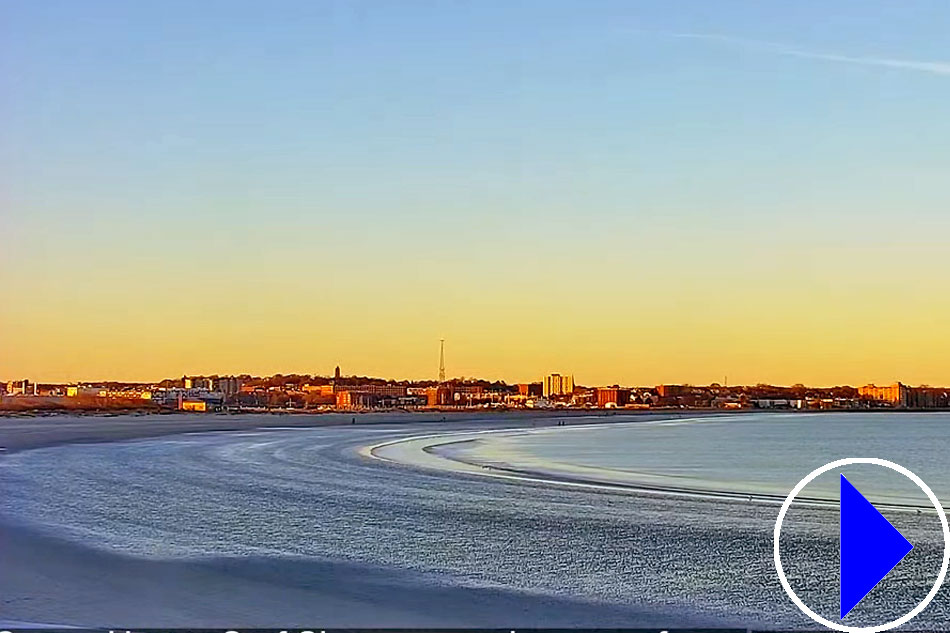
x: 23, y: 433
x: 267, y: 591
x: 503, y: 470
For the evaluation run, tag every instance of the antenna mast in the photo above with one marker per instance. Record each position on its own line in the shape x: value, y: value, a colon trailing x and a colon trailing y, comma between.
x: 441, y: 360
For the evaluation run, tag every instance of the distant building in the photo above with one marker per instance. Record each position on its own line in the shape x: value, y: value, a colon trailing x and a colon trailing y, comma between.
x: 21, y: 388
x: 350, y: 400
x: 369, y: 396
x: 609, y: 397
x: 75, y: 391
x: 229, y: 386
x: 900, y: 395
x: 896, y: 395
x: 194, y: 405
x: 441, y: 396
x: 530, y: 390
x: 390, y: 391
x: 928, y: 398
x: 321, y: 390
x: 336, y: 373
x: 778, y: 403
x: 197, y: 382
x: 176, y: 397
x: 671, y: 391
x: 557, y: 385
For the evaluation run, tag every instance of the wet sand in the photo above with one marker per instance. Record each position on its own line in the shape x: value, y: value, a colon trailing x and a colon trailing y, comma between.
x: 25, y: 432
x: 45, y: 579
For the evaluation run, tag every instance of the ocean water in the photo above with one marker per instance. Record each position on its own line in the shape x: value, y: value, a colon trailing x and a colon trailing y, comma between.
x: 314, y: 494
x: 762, y: 455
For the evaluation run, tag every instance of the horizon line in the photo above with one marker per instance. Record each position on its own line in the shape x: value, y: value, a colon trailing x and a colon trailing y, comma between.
x: 723, y: 384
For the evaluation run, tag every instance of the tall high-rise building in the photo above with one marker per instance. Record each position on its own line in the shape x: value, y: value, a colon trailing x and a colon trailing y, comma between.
x: 336, y: 373
x: 557, y: 385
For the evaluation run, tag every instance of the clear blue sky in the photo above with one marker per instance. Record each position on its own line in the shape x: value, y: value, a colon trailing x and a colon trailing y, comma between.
x: 547, y: 149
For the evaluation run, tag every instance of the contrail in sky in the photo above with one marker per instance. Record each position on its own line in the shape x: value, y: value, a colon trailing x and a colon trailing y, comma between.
x: 932, y: 67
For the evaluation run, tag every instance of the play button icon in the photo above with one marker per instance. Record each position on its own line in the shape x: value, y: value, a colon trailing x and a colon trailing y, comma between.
x: 870, y: 546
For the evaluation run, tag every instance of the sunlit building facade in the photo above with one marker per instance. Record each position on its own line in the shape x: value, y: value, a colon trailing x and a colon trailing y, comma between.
x: 557, y: 385
x: 895, y: 394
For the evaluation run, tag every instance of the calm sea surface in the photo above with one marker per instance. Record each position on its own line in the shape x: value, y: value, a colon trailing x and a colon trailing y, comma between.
x: 755, y: 454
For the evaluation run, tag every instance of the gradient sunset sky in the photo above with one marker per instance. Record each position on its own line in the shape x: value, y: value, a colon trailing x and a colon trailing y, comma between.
x: 632, y: 192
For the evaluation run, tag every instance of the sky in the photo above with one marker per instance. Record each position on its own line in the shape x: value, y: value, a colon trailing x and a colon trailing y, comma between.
x: 631, y: 192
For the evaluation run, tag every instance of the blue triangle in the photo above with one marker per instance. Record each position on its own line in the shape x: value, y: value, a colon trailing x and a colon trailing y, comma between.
x: 870, y: 547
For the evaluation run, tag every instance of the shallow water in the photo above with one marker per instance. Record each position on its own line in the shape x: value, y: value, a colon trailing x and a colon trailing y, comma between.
x: 310, y: 494
x: 763, y: 454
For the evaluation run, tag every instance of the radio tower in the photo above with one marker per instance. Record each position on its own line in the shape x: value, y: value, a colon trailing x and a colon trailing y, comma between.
x: 441, y: 360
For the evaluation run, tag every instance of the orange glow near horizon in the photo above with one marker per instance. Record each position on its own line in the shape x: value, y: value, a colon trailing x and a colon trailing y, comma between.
x: 626, y: 313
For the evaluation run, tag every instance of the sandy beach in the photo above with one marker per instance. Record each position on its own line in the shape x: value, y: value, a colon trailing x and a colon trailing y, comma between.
x: 36, y: 431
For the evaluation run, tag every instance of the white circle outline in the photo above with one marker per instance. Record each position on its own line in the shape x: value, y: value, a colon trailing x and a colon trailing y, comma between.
x: 907, y: 617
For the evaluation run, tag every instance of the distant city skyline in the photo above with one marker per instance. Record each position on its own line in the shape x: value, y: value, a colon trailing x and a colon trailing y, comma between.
x: 631, y: 192
x: 550, y: 383
x: 305, y: 392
